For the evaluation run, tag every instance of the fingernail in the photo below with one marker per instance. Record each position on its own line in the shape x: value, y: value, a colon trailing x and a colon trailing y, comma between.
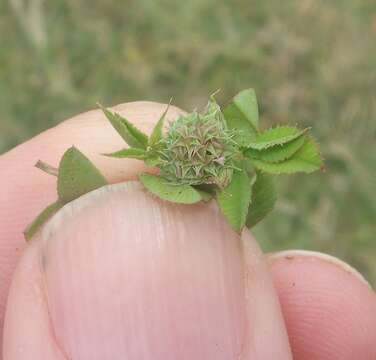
x: 129, y: 276
x: 304, y: 255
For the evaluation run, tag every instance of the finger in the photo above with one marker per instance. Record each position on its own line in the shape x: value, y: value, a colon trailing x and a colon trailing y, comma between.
x: 329, y: 309
x: 25, y: 190
x: 120, y: 274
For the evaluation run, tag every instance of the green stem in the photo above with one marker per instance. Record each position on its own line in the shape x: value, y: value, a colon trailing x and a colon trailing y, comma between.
x: 47, y: 168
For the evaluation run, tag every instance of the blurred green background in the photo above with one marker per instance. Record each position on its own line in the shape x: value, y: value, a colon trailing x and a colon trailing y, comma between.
x: 312, y: 63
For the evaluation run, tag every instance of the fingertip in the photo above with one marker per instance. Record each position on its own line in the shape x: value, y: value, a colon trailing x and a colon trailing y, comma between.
x: 329, y: 309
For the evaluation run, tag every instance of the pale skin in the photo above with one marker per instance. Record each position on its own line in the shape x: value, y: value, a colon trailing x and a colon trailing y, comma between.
x: 119, y: 274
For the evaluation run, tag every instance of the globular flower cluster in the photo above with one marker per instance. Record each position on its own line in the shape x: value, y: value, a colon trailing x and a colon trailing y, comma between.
x: 198, y: 149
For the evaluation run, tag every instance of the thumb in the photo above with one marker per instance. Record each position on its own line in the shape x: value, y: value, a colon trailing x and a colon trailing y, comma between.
x: 119, y: 274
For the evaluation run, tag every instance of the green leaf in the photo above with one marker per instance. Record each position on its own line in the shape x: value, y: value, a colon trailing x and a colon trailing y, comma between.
x: 132, y: 136
x: 277, y: 153
x: 182, y: 194
x: 134, y: 153
x: 46, y: 214
x: 156, y: 134
x: 234, y: 200
x: 307, y: 159
x: 275, y: 136
x: 264, y: 196
x: 244, y: 106
x: 242, y: 115
x: 77, y: 176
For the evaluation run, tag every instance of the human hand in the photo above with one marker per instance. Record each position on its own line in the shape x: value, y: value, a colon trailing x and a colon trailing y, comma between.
x: 119, y: 274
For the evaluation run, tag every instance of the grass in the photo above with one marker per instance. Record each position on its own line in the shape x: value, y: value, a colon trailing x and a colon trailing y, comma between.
x: 312, y: 63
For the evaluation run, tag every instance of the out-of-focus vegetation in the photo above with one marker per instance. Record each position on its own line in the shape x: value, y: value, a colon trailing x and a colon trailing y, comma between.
x: 312, y: 62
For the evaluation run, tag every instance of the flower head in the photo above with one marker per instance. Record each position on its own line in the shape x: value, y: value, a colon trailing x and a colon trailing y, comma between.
x: 198, y: 149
